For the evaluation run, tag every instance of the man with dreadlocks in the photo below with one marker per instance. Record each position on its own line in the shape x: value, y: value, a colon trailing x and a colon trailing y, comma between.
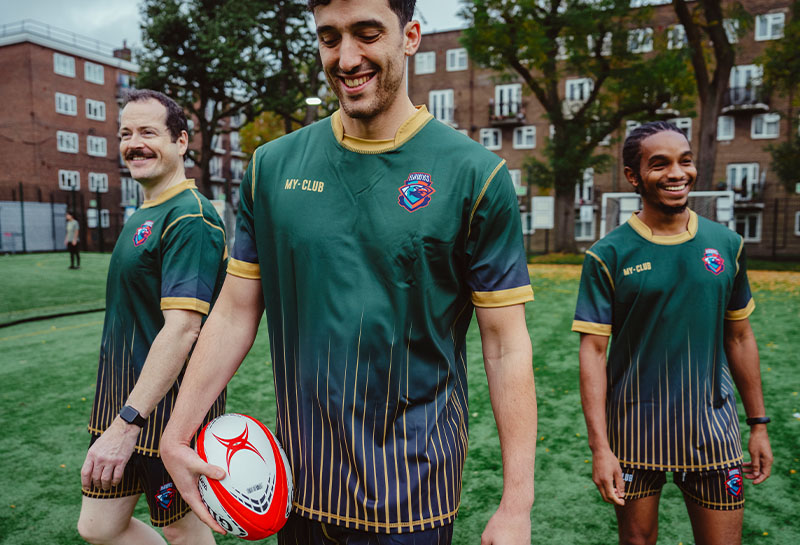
x: 670, y: 288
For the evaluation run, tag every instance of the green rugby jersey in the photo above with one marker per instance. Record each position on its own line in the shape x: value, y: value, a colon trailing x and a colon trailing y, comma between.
x: 170, y: 255
x: 671, y: 404
x: 371, y: 256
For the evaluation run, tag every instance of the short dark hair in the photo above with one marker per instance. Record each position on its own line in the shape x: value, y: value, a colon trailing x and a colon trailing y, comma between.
x: 176, y: 117
x: 404, y: 9
x: 632, y: 148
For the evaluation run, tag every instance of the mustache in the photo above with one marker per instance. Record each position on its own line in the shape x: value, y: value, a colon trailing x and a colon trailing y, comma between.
x: 139, y: 154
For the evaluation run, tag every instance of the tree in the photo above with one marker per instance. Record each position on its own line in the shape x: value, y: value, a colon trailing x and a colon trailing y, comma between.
x: 706, y: 19
x: 219, y: 58
x: 543, y: 42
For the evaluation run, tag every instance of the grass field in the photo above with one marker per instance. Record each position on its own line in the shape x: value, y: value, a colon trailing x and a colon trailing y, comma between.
x: 48, y: 375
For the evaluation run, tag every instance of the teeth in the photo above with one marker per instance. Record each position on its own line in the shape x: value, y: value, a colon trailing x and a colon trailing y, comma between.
x: 356, y: 82
x: 675, y: 187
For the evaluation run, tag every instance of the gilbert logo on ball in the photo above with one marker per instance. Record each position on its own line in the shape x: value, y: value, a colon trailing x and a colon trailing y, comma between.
x: 254, y: 499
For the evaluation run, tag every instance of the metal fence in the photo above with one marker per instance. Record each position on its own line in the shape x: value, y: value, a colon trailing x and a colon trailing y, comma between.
x: 32, y: 226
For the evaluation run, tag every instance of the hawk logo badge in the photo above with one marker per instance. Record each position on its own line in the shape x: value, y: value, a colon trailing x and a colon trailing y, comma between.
x: 713, y: 261
x: 141, y: 234
x: 165, y: 495
x: 416, y: 192
x: 734, y: 482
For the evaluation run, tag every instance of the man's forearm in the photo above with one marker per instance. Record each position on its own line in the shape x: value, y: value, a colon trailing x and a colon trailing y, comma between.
x: 742, y: 352
x: 593, y: 385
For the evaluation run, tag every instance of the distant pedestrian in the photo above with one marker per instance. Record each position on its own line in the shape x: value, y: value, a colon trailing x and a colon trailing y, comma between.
x: 71, y: 242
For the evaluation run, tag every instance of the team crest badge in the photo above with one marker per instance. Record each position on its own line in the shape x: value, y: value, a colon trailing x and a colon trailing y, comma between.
x: 416, y: 192
x: 142, y: 233
x: 713, y: 261
x: 734, y: 482
x: 165, y: 495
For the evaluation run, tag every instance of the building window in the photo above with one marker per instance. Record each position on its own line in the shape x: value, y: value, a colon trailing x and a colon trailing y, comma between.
x: 215, y: 167
x: 98, y: 182
x: 507, y: 99
x: 491, y: 138
x: 676, y: 37
x: 640, y: 40
x: 440, y: 104
x: 95, y: 109
x: 67, y: 141
x: 525, y: 137
x: 66, y: 104
x: 797, y: 224
x: 578, y: 89
x: 456, y: 59
x: 585, y: 191
x: 69, y: 180
x: 91, y: 218
x: 748, y: 224
x: 93, y: 73
x: 630, y: 126
x: 562, y: 52
x: 96, y: 146
x: 584, y: 217
x: 516, y: 179
x: 235, y: 142
x: 605, y: 47
x: 187, y: 161
x: 104, y: 219
x: 64, y: 65
x: 769, y: 26
x: 210, y: 108
x: 743, y: 180
x: 731, y: 27
x: 237, y: 169
x: 217, y: 144
x: 725, y: 127
x: 685, y: 125
x: 765, y: 126
x: 425, y: 63
x: 131, y: 192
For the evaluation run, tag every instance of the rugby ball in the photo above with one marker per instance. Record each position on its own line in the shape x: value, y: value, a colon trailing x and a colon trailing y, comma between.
x: 254, y: 499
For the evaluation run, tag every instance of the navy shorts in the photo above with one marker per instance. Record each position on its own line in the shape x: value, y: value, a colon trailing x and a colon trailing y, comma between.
x: 720, y: 489
x: 303, y: 531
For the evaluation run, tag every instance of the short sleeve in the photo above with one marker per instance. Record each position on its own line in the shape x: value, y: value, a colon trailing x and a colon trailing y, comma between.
x: 193, y: 249
x: 498, y: 271
x: 741, y: 303
x: 244, y: 259
x: 594, y: 310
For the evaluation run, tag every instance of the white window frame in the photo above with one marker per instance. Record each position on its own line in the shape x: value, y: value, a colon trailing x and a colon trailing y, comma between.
x: 67, y: 142
x: 744, y: 217
x: 95, y: 109
x: 457, y: 60
x: 215, y: 167
x: 94, y: 73
x: 562, y: 52
x: 64, y: 65
x: 584, y: 194
x: 797, y: 224
x: 640, y: 40
x: 765, y: 126
x: 684, y: 124
x: 577, y: 90
x: 507, y: 99
x: 516, y: 179
x: 69, y: 180
x: 98, y: 182
x: 237, y: 169
x: 491, y: 139
x: 236, y: 142
x: 130, y: 192
x: 105, y: 218
x: 630, y: 125
x: 187, y: 161
x: 769, y: 26
x: 736, y: 173
x: 425, y: 63
x: 96, y: 146
x: 66, y: 104
x: 676, y: 37
x: 731, y: 27
x: 91, y: 218
x: 605, y: 48
x: 726, y: 127
x: 525, y: 137
x: 441, y: 105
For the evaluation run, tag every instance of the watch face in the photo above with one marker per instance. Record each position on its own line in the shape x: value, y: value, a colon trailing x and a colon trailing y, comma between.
x: 132, y: 416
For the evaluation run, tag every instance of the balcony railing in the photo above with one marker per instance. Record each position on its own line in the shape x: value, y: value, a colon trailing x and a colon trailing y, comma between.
x: 508, y: 113
x: 745, y: 99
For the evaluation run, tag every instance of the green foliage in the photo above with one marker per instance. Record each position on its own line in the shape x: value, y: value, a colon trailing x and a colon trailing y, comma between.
x: 786, y: 162
x: 781, y: 60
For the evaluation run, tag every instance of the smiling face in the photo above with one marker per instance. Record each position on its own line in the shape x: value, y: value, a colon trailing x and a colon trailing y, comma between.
x: 146, y: 144
x: 363, y: 50
x: 666, y: 172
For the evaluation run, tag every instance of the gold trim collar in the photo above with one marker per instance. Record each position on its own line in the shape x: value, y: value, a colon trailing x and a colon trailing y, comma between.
x: 667, y: 240
x: 169, y: 193
x: 407, y: 130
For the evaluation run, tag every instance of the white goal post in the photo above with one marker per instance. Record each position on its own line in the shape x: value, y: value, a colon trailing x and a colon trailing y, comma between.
x: 714, y: 205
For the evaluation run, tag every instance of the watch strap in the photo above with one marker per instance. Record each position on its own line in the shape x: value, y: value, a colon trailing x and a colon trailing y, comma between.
x: 752, y: 421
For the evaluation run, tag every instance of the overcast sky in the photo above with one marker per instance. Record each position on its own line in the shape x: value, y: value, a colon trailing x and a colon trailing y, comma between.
x: 112, y: 21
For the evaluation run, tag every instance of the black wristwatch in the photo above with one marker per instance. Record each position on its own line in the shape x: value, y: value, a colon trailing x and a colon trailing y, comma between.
x: 758, y: 420
x: 132, y: 416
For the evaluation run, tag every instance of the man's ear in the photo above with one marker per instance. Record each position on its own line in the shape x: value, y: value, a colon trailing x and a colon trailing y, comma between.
x: 412, y: 36
x: 631, y: 176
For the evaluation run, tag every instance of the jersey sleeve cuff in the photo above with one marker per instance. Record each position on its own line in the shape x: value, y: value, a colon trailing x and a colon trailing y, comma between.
x: 741, y: 313
x: 591, y: 328
x: 185, y: 303
x: 502, y: 298
x: 243, y: 269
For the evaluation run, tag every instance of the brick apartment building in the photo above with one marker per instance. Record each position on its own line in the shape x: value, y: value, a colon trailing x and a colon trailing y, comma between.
x: 505, y: 118
x: 59, y: 114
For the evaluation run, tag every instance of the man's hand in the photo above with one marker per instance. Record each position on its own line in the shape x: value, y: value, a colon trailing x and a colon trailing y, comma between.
x: 106, y: 460
x: 760, y: 464
x: 185, y: 468
x: 508, y: 526
x: 607, y: 475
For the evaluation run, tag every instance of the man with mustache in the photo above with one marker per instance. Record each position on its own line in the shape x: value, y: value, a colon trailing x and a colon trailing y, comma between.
x: 670, y: 288
x: 369, y: 284
x: 165, y: 273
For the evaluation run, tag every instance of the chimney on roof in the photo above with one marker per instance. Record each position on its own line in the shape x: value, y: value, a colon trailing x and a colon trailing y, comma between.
x: 124, y: 52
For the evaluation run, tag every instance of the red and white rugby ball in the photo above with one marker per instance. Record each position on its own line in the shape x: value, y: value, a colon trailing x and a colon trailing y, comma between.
x: 254, y: 499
